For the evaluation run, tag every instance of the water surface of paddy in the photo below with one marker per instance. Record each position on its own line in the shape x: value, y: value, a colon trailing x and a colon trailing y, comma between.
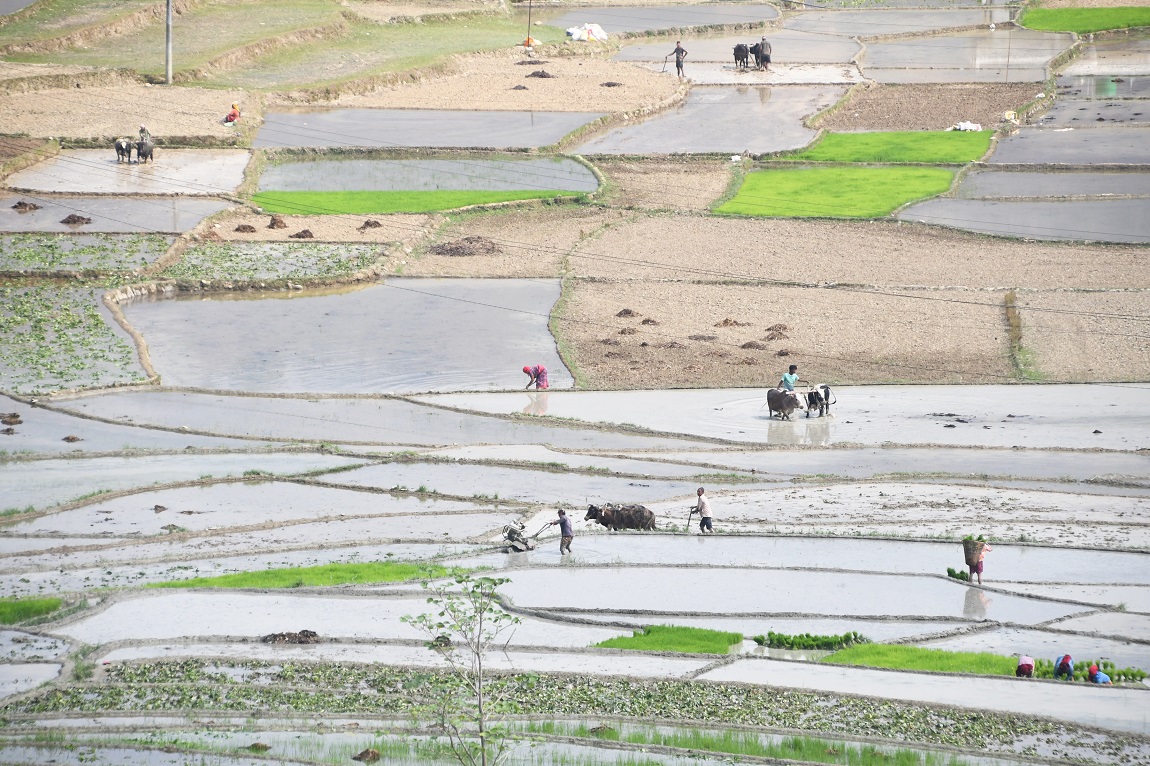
x: 109, y: 214
x: 1089, y: 146
x: 650, y: 17
x: 188, y: 172
x: 1113, y: 220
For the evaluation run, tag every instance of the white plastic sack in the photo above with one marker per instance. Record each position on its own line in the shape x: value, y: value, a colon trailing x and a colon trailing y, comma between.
x: 966, y: 125
x: 587, y: 33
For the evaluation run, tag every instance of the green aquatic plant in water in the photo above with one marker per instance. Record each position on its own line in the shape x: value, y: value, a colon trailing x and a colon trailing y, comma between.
x: 95, y: 252
x: 272, y: 260
x: 319, y: 576
x: 14, y: 610
x: 808, y: 641
x: 674, y: 638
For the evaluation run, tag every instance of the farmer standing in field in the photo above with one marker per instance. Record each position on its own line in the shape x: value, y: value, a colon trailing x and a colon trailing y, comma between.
x: 703, y: 507
x: 976, y: 569
x: 679, y: 53
x: 565, y: 533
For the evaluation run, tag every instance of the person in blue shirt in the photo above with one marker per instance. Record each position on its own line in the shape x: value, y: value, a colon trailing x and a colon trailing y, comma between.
x: 1064, y: 668
x: 1096, y: 676
x: 790, y: 378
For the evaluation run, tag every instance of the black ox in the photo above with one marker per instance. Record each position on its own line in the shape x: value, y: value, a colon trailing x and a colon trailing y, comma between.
x: 742, y: 56
x: 616, y: 517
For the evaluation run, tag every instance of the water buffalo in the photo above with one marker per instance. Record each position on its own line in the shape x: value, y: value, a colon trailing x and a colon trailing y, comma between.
x: 616, y: 517
x: 782, y: 402
x: 123, y: 150
x: 742, y: 56
x: 819, y: 398
x: 144, y: 151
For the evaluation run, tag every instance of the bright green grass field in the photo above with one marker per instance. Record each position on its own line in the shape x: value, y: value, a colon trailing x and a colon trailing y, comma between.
x: 329, y: 574
x: 915, y: 658
x: 672, y: 638
x: 835, y: 192
x: 363, y: 202
x: 924, y: 146
x: 14, y: 610
x: 1083, y: 20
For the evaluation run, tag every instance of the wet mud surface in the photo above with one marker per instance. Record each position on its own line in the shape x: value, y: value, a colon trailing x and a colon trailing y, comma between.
x: 727, y: 111
x: 868, y: 23
x: 1103, y: 87
x: 429, y: 175
x: 20, y: 677
x: 1118, y: 220
x: 650, y: 17
x: 1001, y: 55
x: 185, y: 172
x: 417, y: 127
x: 788, y: 46
x: 173, y: 215
x: 991, y: 184
x: 1084, y: 113
x: 398, y: 336
x: 1089, y: 146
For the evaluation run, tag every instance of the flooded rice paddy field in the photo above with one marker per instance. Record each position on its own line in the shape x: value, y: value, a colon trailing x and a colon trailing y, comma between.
x: 81, y: 252
x: 184, y: 172
x: 255, y: 262
x: 1118, y: 220
x: 147, y: 215
x: 652, y: 17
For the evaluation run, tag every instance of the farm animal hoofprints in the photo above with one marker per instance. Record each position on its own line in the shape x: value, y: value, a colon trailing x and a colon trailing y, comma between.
x: 819, y: 398
x: 123, y: 150
x: 782, y: 402
x: 742, y: 56
x: 144, y: 151
x: 616, y: 517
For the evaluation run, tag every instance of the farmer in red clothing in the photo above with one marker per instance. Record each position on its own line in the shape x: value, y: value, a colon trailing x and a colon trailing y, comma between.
x: 538, y: 374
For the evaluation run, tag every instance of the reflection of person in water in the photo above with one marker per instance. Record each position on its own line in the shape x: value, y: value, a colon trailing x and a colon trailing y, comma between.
x: 537, y: 404
x: 976, y: 604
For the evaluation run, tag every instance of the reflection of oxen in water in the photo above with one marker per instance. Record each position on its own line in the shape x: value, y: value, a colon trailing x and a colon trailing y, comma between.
x: 616, y: 517
x: 742, y: 56
x: 819, y: 398
x: 782, y: 402
x: 123, y: 150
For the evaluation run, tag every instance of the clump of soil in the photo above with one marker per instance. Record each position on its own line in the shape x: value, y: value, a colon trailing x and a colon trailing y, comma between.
x: 371, y: 755
x: 473, y: 245
x: 259, y: 747
x: 74, y: 219
x: 542, y: 74
x: 171, y: 527
x: 72, y: 439
x: 746, y: 361
x: 753, y: 345
x: 778, y: 328
x: 304, y: 234
x: 159, y: 508
x: 782, y: 352
x: 11, y: 418
x: 628, y: 313
x: 520, y: 87
x: 610, y: 84
x: 628, y: 331
x: 610, y: 342
x: 728, y: 322
x: 775, y: 335
x: 277, y: 222
x: 702, y: 337
x: 531, y: 62
x: 649, y: 321
x: 303, y: 637
x: 246, y: 228
x: 25, y: 207
x: 674, y: 344
x: 370, y: 223
x: 8, y: 432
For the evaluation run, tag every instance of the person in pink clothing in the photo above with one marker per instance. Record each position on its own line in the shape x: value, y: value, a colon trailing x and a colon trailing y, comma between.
x: 977, y: 569
x: 538, y: 374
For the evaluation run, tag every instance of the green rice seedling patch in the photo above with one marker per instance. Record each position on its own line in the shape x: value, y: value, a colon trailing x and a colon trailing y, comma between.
x: 1086, y: 20
x: 272, y: 260
x: 14, y: 610
x: 916, y: 658
x: 673, y: 638
x: 366, y: 202
x: 377, y: 49
x: 52, y: 339
x: 919, y: 146
x: 83, y: 252
x: 808, y: 641
x: 1045, y: 669
x: 199, y: 35
x: 835, y: 192
x: 319, y: 576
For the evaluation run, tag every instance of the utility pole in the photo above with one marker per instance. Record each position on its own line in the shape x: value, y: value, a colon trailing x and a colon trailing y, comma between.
x: 168, y: 47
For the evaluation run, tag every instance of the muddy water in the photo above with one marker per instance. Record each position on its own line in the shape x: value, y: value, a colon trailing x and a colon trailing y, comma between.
x: 165, y: 616
x: 1119, y: 220
x: 173, y: 215
x: 405, y: 335
x: 220, y: 506
x: 870, y: 23
x: 387, y: 128
x: 515, y: 483
x: 1135, y: 626
x: 1089, y: 146
x: 746, y: 591
x: 995, y: 416
x: 1090, y: 113
x: 1103, y: 87
x: 638, y: 19
x: 1001, y: 53
x: 534, y: 453
x: 11, y: 6
x: 48, y: 482
x: 1134, y: 598
x: 20, y: 677
x: 1119, y: 56
x: 1037, y: 643
x: 82, y: 755
x: 993, y: 184
x: 788, y: 46
x: 377, y: 421
x: 16, y: 646
x: 715, y: 119
x: 1110, y: 709
x: 189, y: 172
x: 430, y: 175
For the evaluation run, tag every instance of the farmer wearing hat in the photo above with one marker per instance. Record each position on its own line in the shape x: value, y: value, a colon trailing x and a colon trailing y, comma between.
x: 145, y: 134
x: 538, y: 375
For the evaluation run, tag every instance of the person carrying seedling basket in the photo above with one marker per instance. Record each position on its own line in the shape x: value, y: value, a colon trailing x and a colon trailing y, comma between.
x: 975, y: 552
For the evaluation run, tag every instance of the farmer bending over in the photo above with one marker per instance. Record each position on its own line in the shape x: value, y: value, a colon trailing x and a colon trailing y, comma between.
x: 538, y: 375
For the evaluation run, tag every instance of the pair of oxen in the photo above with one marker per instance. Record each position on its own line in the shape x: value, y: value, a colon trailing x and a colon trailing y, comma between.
x: 785, y: 402
x: 124, y: 147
